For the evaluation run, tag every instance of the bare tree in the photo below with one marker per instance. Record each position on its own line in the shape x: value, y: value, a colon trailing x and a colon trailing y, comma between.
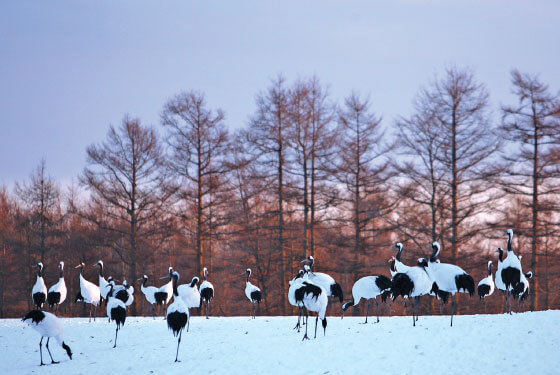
x: 467, y: 143
x: 363, y: 167
x: 533, y: 126
x: 199, y: 144
x: 41, y: 196
x: 129, y: 191
x: 268, y: 141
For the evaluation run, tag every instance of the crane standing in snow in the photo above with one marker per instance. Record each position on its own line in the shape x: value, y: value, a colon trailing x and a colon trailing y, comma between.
x: 449, y: 277
x: 190, y: 295
x: 511, y: 270
x: 314, y: 298
x: 295, y: 283
x: 369, y: 287
x: 177, y: 313
x: 116, y: 311
x: 322, y: 279
x: 57, y: 292
x: 89, y: 292
x: 252, y: 292
x: 206, y: 292
x: 149, y: 292
x: 48, y: 325
x: 39, y: 292
x: 102, y: 282
x: 486, y: 285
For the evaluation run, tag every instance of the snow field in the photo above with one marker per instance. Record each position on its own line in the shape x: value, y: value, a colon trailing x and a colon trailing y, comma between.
x: 527, y: 343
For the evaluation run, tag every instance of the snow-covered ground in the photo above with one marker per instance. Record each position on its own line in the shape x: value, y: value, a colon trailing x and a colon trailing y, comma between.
x: 527, y: 343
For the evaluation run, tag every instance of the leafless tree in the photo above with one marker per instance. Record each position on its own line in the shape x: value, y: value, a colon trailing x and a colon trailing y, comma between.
x: 129, y: 191
x: 199, y: 144
x: 532, y: 126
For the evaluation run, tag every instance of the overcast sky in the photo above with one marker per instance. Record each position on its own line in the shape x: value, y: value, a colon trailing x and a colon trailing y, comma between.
x: 69, y: 69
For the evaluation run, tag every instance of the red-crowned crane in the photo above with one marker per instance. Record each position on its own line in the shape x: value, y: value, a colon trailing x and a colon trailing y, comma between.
x: 177, y: 313
x: 252, y: 292
x: 511, y: 270
x: 369, y: 287
x: 48, y: 325
x: 486, y: 285
x: 295, y: 283
x: 206, y: 291
x: 57, y: 292
x: 149, y: 292
x: 190, y: 295
x: 39, y: 292
x: 449, y: 277
x: 89, y: 293
x: 322, y: 279
x: 104, y: 290
x: 314, y: 298
x: 116, y: 311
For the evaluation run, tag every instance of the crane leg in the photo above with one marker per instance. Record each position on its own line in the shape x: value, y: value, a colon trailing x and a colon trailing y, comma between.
x: 90, y: 309
x: 452, y: 308
x: 178, y: 343
x: 316, y: 321
x: 48, y: 350
x: 305, y: 318
x: 377, y: 309
x: 417, y: 300
x: 188, y: 322
x: 116, y: 333
x: 412, y: 308
x: 367, y: 309
x: 41, y: 351
x: 298, y: 319
x: 94, y: 313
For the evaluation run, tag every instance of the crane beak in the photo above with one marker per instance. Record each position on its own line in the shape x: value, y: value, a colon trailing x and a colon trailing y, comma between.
x: 78, y: 266
x: 139, y: 279
x: 165, y: 277
x: 305, y: 261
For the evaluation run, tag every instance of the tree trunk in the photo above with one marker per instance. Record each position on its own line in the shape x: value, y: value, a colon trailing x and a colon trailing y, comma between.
x: 534, y: 229
x: 454, y: 189
x: 281, y: 223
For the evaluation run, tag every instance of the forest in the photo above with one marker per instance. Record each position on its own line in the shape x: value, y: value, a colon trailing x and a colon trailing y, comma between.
x: 309, y: 174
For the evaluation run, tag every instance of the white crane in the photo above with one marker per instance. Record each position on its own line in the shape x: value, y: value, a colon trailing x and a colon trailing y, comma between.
x: 511, y: 270
x: 314, y: 298
x: 57, y: 292
x: 165, y: 292
x: 521, y: 291
x: 149, y: 293
x: 324, y: 280
x: 411, y: 282
x: 116, y: 310
x: 89, y: 293
x: 369, y: 287
x: 449, y: 277
x: 48, y: 325
x: 486, y: 285
x: 295, y: 283
x: 102, y: 282
x: 177, y: 313
x: 206, y: 291
x: 190, y: 295
x: 252, y: 292
x: 39, y: 292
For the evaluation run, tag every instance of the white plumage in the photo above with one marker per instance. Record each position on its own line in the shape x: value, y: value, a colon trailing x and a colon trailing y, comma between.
x: 177, y: 313
x: 48, y: 325
x: 206, y: 291
x: 57, y: 292
x: 314, y: 298
x: 89, y: 292
x: 167, y: 289
x: 449, y: 277
x: 369, y: 287
x: 498, y: 282
x: 116, y: 311
x: 511, y: 270
x: 324, y: 280
x: 486, y: 285
x: 295, y: 283
x: 253, y: 293
x: 39, y: 291
x: 104, y: 290
x: 190, y: 295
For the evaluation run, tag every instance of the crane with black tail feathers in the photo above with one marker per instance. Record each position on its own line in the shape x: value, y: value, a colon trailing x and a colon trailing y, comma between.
x: 314, y: 298
x: 206, y: 291
x: 39, y: 292
x: 324, y: 280
x: 295, y: 283
x: 89, y: 293
x: 511, y: 270
x: 48, y: 325
x: 486, y: 285
x: 177, y: 313
x: 449, y: 277
x: 369, y: 287
x: 57, y: 292
x: 116, y: 311
x: 253, y: 293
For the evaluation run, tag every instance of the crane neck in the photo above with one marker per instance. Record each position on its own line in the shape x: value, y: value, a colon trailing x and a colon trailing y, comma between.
x: 100, y: 270
x: 489, y: 269
x: 510, y: 238
x: 175, y: 291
